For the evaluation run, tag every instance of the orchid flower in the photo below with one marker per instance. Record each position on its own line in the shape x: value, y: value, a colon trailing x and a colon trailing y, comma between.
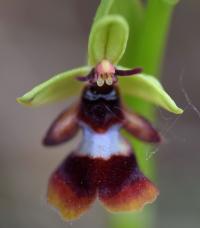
x: 103, y: 165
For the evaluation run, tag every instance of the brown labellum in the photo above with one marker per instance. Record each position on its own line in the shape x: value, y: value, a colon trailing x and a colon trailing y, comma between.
x: 103, y: 165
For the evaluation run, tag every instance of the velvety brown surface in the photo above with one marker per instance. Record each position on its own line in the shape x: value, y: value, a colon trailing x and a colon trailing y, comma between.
x: 119, y: 184
x: 85, y: 174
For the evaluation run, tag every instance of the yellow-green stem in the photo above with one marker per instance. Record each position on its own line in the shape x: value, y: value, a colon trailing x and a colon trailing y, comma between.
x: 146, y: 48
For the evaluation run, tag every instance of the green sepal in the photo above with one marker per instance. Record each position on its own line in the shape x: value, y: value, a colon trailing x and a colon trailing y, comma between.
x: 59, y: 87
x: 108, y: 39
x: 103, y: 9
x: 148, y: 88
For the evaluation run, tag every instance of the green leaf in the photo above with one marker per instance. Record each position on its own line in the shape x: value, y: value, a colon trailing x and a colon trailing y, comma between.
x: 148, y: 88
x: 59, y: 87
x: 108, y: 39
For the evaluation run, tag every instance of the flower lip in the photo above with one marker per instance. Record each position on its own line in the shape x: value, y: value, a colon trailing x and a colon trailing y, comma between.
x: 106, y: 73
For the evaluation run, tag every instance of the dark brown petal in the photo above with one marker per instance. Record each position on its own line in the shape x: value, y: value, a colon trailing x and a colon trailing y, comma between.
x: 88, y: 77
x: 83, y: 78
x: 140, y: 127
x: 71, y: 187
x: 128, y: 72
x: 63, y: 128
x: 123, y: 187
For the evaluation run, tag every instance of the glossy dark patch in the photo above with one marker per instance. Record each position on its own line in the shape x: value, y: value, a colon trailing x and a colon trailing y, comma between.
x: 100, y: 107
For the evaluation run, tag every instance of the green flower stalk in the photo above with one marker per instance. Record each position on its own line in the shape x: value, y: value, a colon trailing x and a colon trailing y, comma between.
x: 110, y: 45
x: 149, y: 26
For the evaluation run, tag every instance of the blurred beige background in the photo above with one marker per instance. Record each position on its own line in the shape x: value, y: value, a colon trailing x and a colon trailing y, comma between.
x: 40, y: 38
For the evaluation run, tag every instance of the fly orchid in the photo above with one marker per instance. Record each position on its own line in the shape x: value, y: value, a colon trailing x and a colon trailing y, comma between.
x: 103, y: 165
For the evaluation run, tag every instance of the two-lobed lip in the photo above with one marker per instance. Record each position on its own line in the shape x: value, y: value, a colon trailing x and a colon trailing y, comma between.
x: 117, y: 182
